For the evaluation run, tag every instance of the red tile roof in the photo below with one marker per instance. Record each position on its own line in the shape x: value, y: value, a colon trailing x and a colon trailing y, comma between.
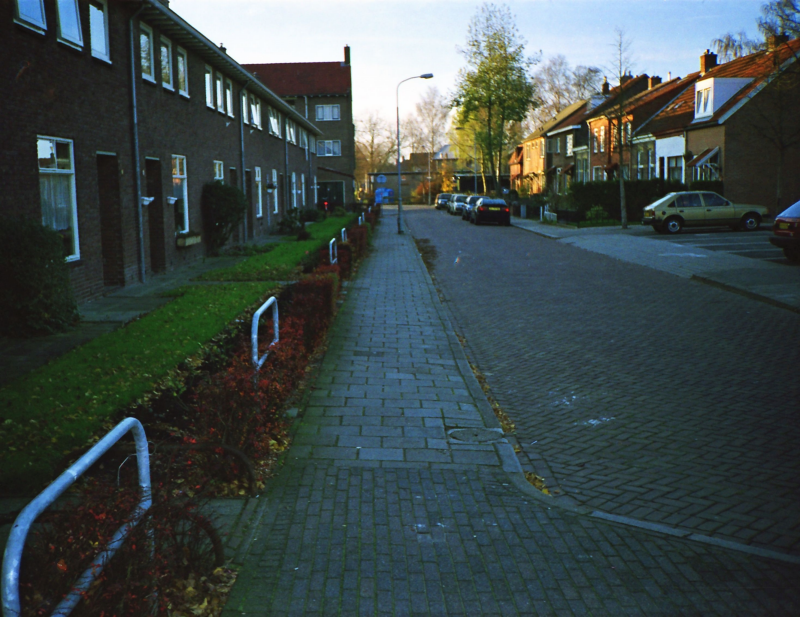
x: 304, y: 78
x: 677, y: 113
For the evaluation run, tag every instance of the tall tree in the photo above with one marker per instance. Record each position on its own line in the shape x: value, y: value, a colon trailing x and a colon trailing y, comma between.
x: 375, y: 144
x: 621, y: 65
x: 778, y: 17
x: 495, y: 86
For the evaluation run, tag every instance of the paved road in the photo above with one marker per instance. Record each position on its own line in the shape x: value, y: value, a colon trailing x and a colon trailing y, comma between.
x: 755, y: 245
x: 635, y: 391
x: 381, y: 511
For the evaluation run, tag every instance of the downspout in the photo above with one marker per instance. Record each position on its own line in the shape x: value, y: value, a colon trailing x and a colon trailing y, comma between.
x: 136, y: 162
x: 241, y: 140
x: 286, y: 180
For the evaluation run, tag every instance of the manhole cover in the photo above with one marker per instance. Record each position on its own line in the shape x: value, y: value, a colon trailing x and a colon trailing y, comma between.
x: 476, y: 435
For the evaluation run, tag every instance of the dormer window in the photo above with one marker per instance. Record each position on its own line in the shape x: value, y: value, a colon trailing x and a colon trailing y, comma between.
x: 702, y: 103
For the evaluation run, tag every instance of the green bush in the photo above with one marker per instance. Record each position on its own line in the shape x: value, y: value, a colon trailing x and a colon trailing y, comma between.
x: 223, y: 210
x: 312, y: 215
x: 339, y: 211
x: 582, y: 197
x: 291, y: 222
x: 36, y: 293
x: 708, y: 185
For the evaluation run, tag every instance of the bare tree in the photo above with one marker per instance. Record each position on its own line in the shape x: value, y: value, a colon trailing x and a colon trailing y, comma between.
x: 621, y: 65
x: 375, y: 144
x: 779, y: 17
x: 731, y: 46
x: 559, y: 86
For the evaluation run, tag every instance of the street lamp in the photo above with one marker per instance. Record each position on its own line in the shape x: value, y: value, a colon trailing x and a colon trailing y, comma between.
x: 399, y: 189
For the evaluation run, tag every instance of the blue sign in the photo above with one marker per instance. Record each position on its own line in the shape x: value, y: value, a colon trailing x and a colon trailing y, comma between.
x: 381, y: 179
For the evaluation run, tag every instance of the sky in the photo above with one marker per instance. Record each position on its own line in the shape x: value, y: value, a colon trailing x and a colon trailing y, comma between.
x: 392, y: 40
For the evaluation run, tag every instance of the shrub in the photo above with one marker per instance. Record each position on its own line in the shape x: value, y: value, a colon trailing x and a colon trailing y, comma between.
x: 291, y: 222
x: 223, y: 208
x: 312, y: 215
x: 36, y: 294
x: 708, y: 185
x: 582, y: 197
x: 339, y: 211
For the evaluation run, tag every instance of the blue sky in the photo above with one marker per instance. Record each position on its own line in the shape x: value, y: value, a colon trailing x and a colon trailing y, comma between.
x: 391, y: 40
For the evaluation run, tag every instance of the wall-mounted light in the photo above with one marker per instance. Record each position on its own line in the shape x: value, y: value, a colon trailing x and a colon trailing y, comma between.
x: 171, y: 200
x: 146, y: 201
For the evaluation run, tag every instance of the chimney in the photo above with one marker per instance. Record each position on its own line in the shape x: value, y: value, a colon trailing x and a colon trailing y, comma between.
x: 707, y: 61
x: 347, y: 55
x: 222, y: 48
x: 652, y: 82
x: 625, y: 78
x: 606, y: 88
x: 776, y: 40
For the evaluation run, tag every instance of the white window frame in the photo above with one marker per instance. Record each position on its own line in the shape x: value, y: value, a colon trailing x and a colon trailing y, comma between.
x: 602, y: 139
x: 335, y: 144
x: 254, y: 107
x: 209, y: 79
x: 145, y: 30
x: 303, y: 189
x: 76, y: 245
x: 274, y: 122
x: 597, y: 173
x: 37, y: 23
x: 294, y: 190
x: 219, y: 90
x: 568, y: 146
x: 229, y: 97
x: 163, y: 44
x: 291, y: 132
x: 185, y: 177
x: 245, y: 108
x: 219, y: 170
x: 316, y: 198
x: 102, y: 6
x: 703, y: 104
x: 71, y: 5
x: 274, y: 191
x: 183, y: 89
x: 326, y: 113
x: 259, y: 204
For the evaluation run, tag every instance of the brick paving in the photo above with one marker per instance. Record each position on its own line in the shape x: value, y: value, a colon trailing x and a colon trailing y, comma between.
x: 381, y: 511
x: 636, y: 392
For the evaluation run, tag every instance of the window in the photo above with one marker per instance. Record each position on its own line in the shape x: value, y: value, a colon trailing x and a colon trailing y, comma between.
x: 180, y: 194
x: 316, y: 198
x: 69, y: 23
x: 594, y: 141
x: 57, y: 192
x: 642, y: 168
x: 245, y: 115
x: 146, y: 52
x: 602, y: 139
x: 541, y: 149
x: 304, y: 140
x: 329, y: 147
x: 183, y: 72
x: 209, y: 87
x: 675, y: 168
x: 274, y: 191
x: 294, y: 190
x: 712, y: 200
x: 701, y: 102
x: 569, y: 145
x: 327, y: 112
x: 255, y: 111
x: 259, y: 210
x: 219, y: 171
x: 626, y: 136
x: 166, y: 63
x: 291, y: 132
x: 688, y: 200
x: 31, y: 13
x: 229, y: 97
x: 303, y: 189
x: 220, y: 95
x: 98, y: 29
x: 597, y: 173
x: 274, y: 122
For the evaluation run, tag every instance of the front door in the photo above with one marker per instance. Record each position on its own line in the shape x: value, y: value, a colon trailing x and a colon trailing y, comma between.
x: 110, y: 220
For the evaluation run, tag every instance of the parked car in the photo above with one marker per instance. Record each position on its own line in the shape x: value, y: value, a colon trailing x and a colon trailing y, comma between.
x: 456, y: 203
x: 490, y: 210
x: 468, y: 206
x: 442, y: 199
x: 675, y: 211
x: 786, y: 230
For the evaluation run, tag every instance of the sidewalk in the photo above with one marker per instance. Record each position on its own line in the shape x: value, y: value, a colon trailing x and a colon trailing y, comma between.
x: 760, y: 280
x: 401, y: 496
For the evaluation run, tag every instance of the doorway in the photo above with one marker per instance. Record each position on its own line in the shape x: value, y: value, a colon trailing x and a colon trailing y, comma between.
x: 155, y: 215
x: 110, y: 220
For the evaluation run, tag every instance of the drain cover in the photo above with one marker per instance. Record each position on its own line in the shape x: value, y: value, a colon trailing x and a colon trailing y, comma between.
x: 476, y: 435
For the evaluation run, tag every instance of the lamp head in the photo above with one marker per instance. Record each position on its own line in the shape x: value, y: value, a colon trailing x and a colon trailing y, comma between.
x: 426, y: 76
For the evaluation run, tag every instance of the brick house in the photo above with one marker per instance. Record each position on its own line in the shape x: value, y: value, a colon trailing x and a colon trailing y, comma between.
x: 738, y: 123
x: 115, y: 116
x: 568, y: 133
x: 322, y: 92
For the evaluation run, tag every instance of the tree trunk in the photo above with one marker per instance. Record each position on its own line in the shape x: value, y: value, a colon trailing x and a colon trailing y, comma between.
x: 623, y: 213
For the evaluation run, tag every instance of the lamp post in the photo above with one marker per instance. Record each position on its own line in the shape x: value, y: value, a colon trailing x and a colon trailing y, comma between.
x: 399, y: 188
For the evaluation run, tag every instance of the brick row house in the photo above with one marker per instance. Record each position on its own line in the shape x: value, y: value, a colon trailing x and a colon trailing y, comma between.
x: 322, y: 92
x: 115, y: 114
x: 737, y: 122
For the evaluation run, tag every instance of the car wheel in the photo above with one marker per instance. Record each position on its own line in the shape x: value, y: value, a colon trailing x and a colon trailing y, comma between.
x: 792, y: 254
x: 750, y: 221
x: 673, y: 225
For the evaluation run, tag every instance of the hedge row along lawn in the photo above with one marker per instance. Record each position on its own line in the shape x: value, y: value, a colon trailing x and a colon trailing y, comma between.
x: 61, y: 406
x: 287, y: 259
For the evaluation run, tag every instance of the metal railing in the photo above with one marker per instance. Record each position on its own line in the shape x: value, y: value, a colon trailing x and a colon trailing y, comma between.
x: 19, y: 531
x: 344, y: 234
x: 333, y: 252
x: 360, y: 219
x: 273, y: 302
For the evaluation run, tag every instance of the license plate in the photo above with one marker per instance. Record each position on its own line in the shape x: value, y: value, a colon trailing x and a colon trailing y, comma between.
x: 494, y: 209
x: 783, y: 225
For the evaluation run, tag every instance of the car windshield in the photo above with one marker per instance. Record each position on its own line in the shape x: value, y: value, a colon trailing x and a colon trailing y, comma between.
x: 792, y: 212
x: 662, y: 201
x: 461, y: 198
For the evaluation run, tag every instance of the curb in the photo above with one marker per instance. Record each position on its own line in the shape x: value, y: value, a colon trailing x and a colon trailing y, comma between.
x: 743, y: 292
